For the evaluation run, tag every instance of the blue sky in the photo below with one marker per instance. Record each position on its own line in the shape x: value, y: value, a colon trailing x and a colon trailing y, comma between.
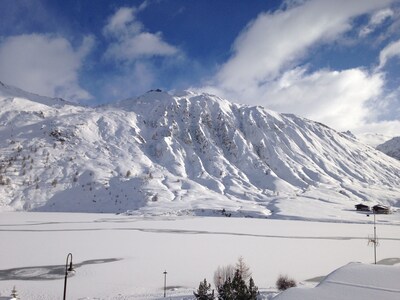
x: 332, y: 61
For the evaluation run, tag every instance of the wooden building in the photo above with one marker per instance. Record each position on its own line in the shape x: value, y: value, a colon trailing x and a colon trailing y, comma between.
x: 362, y: 207
x: 381, y: 209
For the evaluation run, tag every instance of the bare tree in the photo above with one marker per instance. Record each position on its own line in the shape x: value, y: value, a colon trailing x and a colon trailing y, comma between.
x: 222, y: 274
x: 243, y: 268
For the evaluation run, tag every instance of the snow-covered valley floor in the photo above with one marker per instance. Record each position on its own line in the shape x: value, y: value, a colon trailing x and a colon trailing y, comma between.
x: 124, y: 257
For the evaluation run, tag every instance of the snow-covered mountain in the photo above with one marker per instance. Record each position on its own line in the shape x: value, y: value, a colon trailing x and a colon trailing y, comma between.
x: 182, y: 154
x: 391, y: 147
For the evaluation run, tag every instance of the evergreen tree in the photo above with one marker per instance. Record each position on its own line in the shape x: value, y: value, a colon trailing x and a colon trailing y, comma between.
x: 253, y: 290
x: 225, y: 291
x: 204, y: 291
x: 239, y: 287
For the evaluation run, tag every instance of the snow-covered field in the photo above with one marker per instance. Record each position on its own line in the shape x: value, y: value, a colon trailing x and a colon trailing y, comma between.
x: 124, y: 257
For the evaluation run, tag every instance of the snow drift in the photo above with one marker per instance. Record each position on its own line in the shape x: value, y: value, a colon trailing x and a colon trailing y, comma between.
x: 353, y: 281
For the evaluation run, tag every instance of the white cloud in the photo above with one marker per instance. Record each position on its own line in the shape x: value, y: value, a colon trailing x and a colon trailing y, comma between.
x: 335, y: 98
x: 141, y: 45
x: 388, y: 128
x: 376, y: 133
x: 381, y: 15
x: 131, y: 41
x: 120, y: 86
x: 122, y: 23
x: 376, y: 19
x: 390, y: 51
x: 144, y: 5
x: 264, y: 67
x: 44, y: 64
x: 133, y: 47
x: 273, y: 41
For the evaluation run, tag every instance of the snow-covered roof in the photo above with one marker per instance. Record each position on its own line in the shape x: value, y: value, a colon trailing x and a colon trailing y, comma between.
x: 354, y: 281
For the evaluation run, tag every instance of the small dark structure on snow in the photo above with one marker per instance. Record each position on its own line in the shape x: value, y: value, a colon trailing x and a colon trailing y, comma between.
x: 362, y: 207
x: 381, y: 209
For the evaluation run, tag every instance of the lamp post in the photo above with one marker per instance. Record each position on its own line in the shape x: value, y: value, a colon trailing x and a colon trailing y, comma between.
x: 374, y: 240
x: 67, y: 270
x: 165, y: 283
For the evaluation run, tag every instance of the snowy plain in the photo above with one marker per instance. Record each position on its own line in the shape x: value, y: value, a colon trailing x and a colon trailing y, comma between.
x: 124, y: 257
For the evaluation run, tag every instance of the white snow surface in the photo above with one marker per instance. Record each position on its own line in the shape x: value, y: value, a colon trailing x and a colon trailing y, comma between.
x: 183, y: 154
x: 391, y: 147
x: 354, y: 281
x: 119, y: 257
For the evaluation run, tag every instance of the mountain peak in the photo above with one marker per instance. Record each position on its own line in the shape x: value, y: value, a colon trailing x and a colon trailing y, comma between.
x: 162, y: 99
x: 186, y: 153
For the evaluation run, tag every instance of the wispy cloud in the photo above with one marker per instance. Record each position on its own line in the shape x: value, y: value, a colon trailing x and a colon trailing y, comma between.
x: 266, y: 64
x: 44, y: 64
x: 129, y: 39
x: 135, y: 51
x: 390, y: 51
x: 336, y: 98
x: 274, y: 41
x: 375, y: 20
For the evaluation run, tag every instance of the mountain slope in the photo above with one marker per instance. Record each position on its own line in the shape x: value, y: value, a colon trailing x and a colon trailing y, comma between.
x: 391, y: 147
x: 183, y: 154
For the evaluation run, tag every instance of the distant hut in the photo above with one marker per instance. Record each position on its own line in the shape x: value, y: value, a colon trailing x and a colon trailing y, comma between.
x: 381, y: 209
x: 362, y: 207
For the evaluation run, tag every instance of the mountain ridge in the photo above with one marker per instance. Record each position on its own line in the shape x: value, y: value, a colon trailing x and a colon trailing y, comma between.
x: 391, y: 147
x: 8, y: 91
x: 186, y: 153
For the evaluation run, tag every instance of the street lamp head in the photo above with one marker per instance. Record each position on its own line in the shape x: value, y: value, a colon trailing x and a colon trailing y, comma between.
x: 71, y: 267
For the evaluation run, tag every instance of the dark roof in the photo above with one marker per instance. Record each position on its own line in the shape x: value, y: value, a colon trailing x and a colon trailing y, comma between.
x: 380, y: 206
x: 362, y: 207
x: 381, y: 209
